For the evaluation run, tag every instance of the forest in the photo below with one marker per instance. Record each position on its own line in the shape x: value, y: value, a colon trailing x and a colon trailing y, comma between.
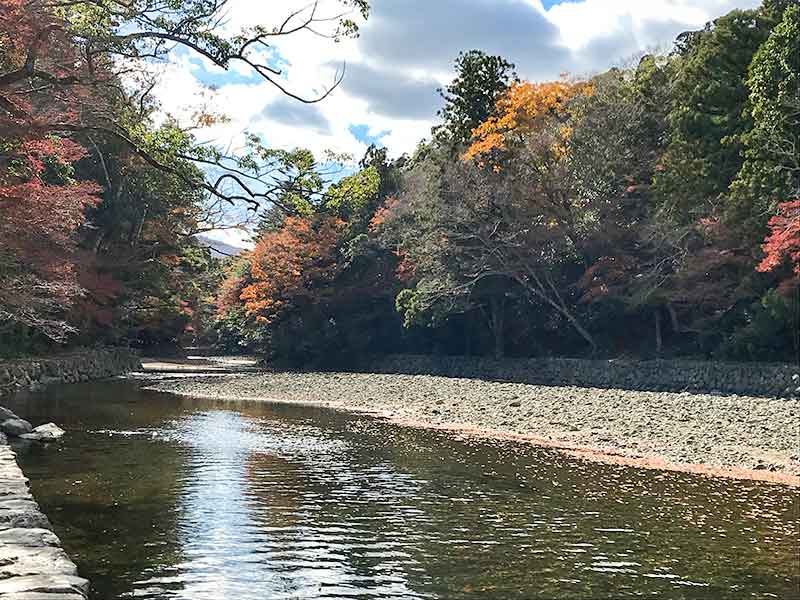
x: 652, y: 210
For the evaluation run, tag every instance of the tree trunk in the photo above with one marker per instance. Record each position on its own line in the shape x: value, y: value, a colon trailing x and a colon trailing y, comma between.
x: 497, y: 325
x: 657, y: 315
x: 541, y: 292
x: 579, y: 328
x: 673, y: 315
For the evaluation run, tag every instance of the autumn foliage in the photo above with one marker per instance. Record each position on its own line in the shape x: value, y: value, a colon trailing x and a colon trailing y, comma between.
x: 46, y: 85
x: 519, y: 110
x: 291, y: 266
x: 783, y: 243
x: 39, y: 221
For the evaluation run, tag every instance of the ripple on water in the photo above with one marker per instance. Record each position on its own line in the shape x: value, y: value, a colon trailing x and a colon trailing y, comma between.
x: 196, y: 500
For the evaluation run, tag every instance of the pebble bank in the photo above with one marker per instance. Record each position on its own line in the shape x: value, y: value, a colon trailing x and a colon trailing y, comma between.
x: 757, y: 434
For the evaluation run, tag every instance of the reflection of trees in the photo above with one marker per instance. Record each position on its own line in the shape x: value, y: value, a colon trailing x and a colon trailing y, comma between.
x: 109, y: 404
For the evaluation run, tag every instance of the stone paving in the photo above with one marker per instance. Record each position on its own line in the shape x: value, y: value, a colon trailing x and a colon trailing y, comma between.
x: 33, y: 566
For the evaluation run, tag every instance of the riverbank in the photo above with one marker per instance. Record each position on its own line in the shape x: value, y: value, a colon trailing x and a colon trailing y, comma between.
x: 32, y: 562
x: 769, y: 380
x: 78, y: 365
x: 735, y: 436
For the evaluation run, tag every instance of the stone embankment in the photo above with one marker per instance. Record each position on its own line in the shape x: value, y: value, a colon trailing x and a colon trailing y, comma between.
x: 769, y: 380
x: 66, y: 368
x: 33, y: 566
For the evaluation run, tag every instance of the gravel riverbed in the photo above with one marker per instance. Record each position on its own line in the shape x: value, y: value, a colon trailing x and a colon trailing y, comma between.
x: 738, y: 432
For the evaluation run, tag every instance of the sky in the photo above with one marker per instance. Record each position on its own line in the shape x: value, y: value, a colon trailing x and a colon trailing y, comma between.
x: 405, y: 51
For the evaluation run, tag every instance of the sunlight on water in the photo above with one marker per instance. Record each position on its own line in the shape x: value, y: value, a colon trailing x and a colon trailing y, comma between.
x: 158, y: 497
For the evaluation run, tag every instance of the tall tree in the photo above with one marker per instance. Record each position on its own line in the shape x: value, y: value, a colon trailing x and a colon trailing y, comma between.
x: 42, y: 208
x: 706, y: 118
x: 771, y: 169
x: 471, y: 97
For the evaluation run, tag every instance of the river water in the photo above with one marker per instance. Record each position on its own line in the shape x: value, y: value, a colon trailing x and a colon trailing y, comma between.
x: 160, y: 497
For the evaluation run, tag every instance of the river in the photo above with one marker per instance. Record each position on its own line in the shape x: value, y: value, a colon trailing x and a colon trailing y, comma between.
x: 160, y: 497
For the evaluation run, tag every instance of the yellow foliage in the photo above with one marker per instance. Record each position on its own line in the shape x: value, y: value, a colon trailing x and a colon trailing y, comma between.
x: 521, y: 108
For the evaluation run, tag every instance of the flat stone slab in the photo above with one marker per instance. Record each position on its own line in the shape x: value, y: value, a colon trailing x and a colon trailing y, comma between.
x: 33, y: 566
x: 32, y: 537
x: 42, y: 596
x: 57, y: 583
x: 17, y: 561
x: 16, y: 519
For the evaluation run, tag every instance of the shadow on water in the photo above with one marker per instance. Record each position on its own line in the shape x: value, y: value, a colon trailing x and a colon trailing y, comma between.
x: 162, y: 497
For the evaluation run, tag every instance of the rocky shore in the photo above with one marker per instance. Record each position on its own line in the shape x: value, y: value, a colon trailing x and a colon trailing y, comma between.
x: 740, y: 436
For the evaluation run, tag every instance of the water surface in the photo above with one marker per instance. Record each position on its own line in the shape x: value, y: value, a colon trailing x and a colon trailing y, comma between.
x: 160, y: 497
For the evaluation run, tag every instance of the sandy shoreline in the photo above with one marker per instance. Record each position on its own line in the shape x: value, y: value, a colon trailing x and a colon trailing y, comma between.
x: 732, y: 436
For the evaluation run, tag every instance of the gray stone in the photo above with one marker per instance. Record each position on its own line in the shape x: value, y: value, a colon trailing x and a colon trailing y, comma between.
x: 28, y: 518
x: 20, y: 561
x: 36, y: 537
x: 44, y: 433
x: 56, y: 583
x: 79, y: 366
x: 6, y: 414
x: 15, y: 427
x: 32, y: 564
x: 43, y: 596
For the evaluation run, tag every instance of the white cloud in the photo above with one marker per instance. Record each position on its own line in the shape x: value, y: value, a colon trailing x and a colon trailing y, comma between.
x: 404, y: 52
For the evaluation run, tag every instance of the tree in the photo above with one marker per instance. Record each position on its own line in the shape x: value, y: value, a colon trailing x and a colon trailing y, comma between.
x: 41, y: 209
x: 706, y: 114
x: 771, y: 168
x: 66, y: 53
x: 783, y: 242
x: 505, y: 223
x: 616, y: 139
x: 288, y: 267
x: 471, y: 97
x: 480, y: 239
x: 520, y: 111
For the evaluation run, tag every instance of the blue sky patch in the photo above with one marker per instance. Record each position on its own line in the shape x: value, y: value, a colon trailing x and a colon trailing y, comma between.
x: 218, y: 79
x: 361, y: 133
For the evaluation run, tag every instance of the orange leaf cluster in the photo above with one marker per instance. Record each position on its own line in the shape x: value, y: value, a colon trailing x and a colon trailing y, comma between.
x: 291, y: 266
x: 383, y: 213
x: 521, y: 108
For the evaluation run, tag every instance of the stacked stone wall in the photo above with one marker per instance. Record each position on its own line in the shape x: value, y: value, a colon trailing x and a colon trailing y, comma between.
x: 753, y: 379
x: 66, y: 368
x: 32, y: 563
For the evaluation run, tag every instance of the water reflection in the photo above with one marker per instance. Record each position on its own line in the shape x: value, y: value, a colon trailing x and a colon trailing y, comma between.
x: 263, y: 509
x: 195, y: 499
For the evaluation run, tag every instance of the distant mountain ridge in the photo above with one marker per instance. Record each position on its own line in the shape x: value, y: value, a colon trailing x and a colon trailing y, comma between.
x: 220, y: 249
